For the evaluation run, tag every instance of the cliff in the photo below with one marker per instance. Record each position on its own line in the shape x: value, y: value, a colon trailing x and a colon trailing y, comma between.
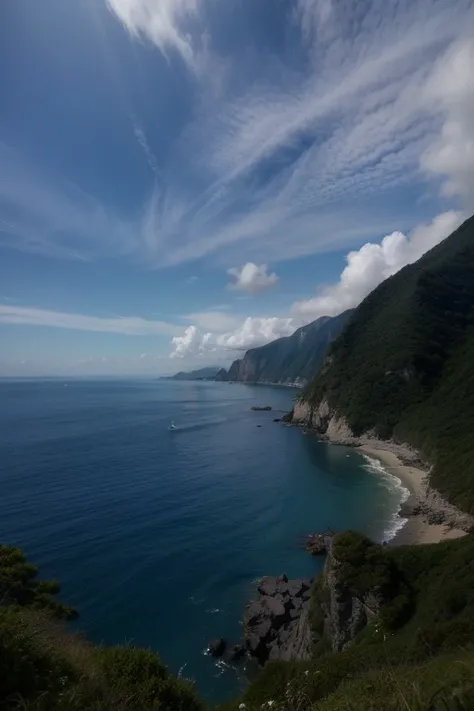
x: 402, y: 369
x: 290, y: 360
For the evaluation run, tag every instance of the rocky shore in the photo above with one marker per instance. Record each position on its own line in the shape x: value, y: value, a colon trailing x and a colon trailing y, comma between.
x: 276, y: 625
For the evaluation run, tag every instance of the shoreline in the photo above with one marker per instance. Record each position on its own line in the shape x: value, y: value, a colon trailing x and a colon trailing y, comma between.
x: 417, y: 529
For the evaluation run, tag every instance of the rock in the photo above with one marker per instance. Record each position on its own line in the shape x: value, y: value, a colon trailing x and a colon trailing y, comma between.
x: 282, y: 578
x: 253, y: 612
x: 295, y: 588
x: 306, y: 594
x: 236, y: 652
x: 296, y: 603
x: 275, y: 653
x: 275, y: 607
x: 268, y: 586
x: 263, y: 630
x: 259, y: 425
x: 277, y: 419
x: 216, y: 647
x: 261, y: 408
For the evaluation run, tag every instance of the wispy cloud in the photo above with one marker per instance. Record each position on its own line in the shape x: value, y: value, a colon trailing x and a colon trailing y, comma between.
x: 276, y: 164
x: 127, y: 325
x: 165, y: 23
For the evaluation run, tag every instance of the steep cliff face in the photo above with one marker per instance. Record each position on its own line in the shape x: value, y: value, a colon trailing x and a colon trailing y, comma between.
x: 345, y: 614
x: 322, y: 418
x: 294, y: 359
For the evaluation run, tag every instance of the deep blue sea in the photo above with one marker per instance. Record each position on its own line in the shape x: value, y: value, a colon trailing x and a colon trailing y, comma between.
x: 158, y: 537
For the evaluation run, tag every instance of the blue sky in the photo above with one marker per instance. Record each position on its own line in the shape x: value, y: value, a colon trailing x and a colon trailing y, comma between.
x: 183, y: 179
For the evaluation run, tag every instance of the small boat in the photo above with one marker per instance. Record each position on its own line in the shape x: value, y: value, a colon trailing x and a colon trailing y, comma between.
x: 172, y: 426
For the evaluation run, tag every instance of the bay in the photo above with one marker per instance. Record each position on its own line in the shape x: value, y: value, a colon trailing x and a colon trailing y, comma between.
x: 158, y: 536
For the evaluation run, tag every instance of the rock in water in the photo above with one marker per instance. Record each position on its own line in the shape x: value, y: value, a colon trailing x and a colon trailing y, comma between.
x: 216, y: 647
x: 236, y: 652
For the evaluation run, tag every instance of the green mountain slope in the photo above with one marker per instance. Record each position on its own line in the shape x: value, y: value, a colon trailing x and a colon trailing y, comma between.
x: 294, y: 358
x: 404, y: 364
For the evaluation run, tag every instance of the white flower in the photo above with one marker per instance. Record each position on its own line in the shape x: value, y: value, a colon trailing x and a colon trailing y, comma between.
x: 242, y: 706
x: 270, y: 703
x: 306, y: 672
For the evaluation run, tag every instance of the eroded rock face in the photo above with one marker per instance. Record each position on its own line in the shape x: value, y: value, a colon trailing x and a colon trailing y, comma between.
x: 276, y: 625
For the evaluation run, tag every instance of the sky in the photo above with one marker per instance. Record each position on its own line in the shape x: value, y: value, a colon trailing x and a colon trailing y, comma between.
x: 181, y: 180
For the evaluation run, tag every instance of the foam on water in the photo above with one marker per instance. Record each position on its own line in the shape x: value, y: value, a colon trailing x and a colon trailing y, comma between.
x: 374, y: 466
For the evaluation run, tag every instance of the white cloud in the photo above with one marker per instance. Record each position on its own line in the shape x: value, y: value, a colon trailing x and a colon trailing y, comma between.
x: 251, y: 332
x: 251, y: 278
x: 256, y: 332
x: 127, y: 325
x: 186, y: 344
x: 451, y: 90
x: 163, y: 22
x: 372, y: 264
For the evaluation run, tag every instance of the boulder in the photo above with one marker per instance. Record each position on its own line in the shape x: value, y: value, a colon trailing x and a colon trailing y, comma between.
x: 216, y: 647
x: 277, y: 419
x: 295, y: 587
x: 254, y: 612
x: 275, y: 607
x: 282, y: 578
x: 268, y: 586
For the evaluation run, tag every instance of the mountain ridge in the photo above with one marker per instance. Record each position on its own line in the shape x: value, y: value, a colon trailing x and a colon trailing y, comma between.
x: 289, y: 360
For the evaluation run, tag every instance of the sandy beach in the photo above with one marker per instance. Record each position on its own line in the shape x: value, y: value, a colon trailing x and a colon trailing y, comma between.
x: 416, y: 530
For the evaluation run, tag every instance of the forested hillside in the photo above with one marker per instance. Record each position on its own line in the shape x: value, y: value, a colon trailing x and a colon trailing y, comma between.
x: 404, y: 365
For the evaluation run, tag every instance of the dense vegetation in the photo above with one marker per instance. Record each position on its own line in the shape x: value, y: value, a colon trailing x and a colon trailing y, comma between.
x: 404, y: 364
x: 290, y: 359
x: 45, y: 668
x: 417, y: 654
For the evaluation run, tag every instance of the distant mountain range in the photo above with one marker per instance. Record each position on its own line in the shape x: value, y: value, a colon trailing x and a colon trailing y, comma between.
x: 200, y: 374
x: 291, y: 360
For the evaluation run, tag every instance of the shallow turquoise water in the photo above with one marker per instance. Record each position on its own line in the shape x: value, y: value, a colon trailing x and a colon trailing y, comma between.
x: 158, y: 536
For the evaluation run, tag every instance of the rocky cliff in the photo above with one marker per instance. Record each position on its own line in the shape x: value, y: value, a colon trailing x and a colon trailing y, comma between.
x: 291, y: 360
x: 344, y: 614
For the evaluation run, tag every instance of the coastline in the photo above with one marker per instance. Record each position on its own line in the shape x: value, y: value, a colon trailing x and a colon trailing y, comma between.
x: 417, y: 529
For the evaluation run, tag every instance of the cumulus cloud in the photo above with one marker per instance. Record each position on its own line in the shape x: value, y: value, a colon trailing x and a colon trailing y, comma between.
x: 186, y: 344
x: 251, y: 332
x: 251, y: 278
x: 127, y: 325
x: 451, y: 89
x: 373, y: 263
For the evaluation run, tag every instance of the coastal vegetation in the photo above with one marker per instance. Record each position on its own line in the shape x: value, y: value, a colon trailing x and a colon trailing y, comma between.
x: 403, y: 366
x: 417, y: 652
x: 44, y: 667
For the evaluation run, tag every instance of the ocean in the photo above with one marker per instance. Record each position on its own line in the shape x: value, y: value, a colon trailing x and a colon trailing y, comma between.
x: 159, y: 536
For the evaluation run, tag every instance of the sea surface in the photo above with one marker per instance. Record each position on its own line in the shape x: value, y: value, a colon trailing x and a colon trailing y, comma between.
x: 158, y: 537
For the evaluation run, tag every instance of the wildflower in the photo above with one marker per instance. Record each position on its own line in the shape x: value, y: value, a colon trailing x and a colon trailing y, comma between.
x: 242, y: 707
x: 270, y: 703
x: 306, y: 672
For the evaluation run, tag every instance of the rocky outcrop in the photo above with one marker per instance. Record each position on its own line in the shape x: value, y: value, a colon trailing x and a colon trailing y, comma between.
x: 325, y: 421
x: 276, y: 626
x: 345, y: 615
